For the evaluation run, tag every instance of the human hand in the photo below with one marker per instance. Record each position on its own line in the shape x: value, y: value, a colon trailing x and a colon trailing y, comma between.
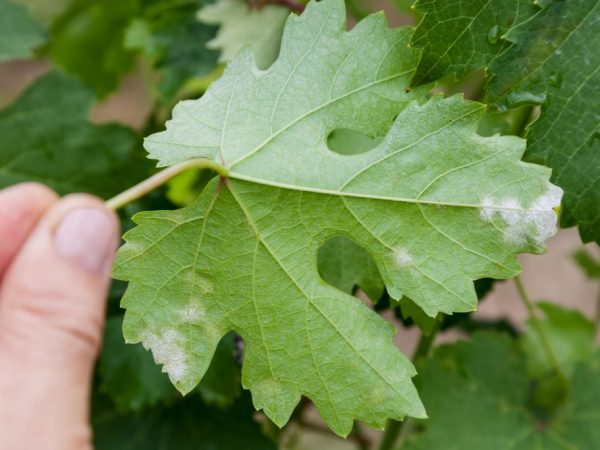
x: 55, y: 260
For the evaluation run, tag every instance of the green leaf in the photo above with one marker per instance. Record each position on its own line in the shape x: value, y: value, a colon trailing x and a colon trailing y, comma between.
x: 19, y: 33
x: 169, y: 34
x: 588, y: 263
x: 569, y: 334
x: 411, y: 311
x: 187, y: 425
x: 477, y: 395
x: 460, y: 36
x: 131, y: 378
x: 46, y: 137
x: 435, y: 204
x: 555, y: 62
x: 259, y: 29
x: 87, y: 42
x: 536, y: 53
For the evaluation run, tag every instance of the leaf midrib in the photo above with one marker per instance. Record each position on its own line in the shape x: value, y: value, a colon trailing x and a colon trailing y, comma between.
x: 276, y: 184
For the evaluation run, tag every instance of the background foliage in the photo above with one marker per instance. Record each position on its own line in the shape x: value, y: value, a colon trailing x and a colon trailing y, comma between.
x: 534, y: 65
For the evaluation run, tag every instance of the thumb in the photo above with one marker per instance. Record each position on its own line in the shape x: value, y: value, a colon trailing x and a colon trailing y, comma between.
x: 52, y: 305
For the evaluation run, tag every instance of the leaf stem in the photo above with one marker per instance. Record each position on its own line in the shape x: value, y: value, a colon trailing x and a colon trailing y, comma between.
x: 394, y: 428
x: 538, y: 327
x: 149, y: 184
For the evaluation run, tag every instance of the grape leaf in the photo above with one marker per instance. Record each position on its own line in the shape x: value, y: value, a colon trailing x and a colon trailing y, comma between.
x: 461, y: 36
x: 46, y: 137
x: 435, y: 204
x: 555, y: 62
x: 19, y: 33
x: 130, y: 377
x: 260, y: 29
x: 478, y: 393
x: 186, y: 425
x: 547, y: 56
x: 169, y: 34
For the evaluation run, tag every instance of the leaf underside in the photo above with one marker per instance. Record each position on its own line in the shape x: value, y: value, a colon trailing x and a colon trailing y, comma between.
x: 436, y: 205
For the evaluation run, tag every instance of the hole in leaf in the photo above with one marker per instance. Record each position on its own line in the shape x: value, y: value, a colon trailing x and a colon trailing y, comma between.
x: 349, y: 142
x: 347, y: 266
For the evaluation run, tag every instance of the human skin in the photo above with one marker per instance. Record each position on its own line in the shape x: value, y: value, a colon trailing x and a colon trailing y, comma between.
x: 55, y: 260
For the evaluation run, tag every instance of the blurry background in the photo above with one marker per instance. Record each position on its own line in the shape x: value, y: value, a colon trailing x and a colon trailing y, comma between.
x: 129, y: 84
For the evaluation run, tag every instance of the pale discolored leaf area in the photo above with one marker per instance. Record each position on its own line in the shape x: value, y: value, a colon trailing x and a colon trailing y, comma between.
x: 241, y: 26
x: 435, y: 204
x: 19, y: 33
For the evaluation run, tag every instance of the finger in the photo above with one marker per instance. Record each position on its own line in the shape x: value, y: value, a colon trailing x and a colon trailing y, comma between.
x: 52, y: 305
x: 20, y: 208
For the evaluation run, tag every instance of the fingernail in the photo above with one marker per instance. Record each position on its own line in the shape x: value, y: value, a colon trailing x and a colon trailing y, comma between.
x: 86, y: 237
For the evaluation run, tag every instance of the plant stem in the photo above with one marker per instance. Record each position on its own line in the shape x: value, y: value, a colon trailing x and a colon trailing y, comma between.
x: 538, y: 327
x: 394, y: 428
x: 149, y: 184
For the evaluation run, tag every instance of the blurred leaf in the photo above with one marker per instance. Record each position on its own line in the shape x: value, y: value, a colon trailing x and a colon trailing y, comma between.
x: 588, y: 263
x: 20, y: 34
x: 259, y: 29
x: 569, y: 334
x: 477, y: 394
x: 346, y: 265
x: 349, y: 142
x: 46, y: 137
x: 186, y: 425
x: 510, y: 122
x: 221, y: 384
x: 168, y: 32
x: 186, y: 187
x: 87, y: 42
x: 410, y: 310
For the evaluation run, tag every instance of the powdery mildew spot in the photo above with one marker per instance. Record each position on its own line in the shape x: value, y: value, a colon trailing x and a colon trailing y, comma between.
x: 403, y: 258
x: 192, y: 314
x: 539, y: 218
x: 168, y: 351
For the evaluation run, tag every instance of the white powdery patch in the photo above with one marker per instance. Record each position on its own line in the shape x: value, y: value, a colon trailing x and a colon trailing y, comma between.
x: 402, y: 257
x: 539, y: 218
x: 192, y: 314
x: 167, y: 351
